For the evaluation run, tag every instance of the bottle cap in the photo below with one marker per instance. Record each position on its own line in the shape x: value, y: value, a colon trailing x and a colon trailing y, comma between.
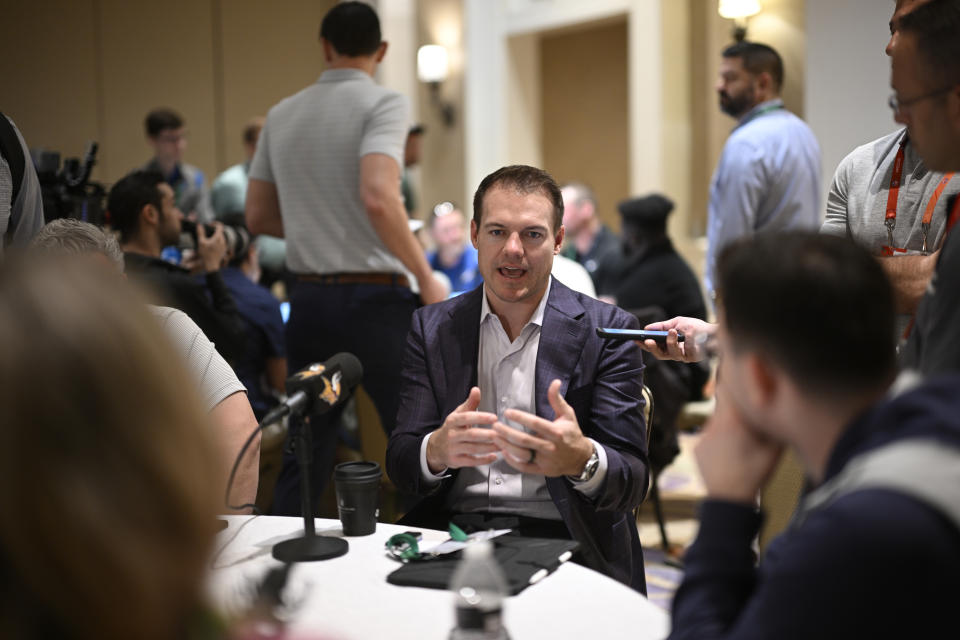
x: 478, y: 550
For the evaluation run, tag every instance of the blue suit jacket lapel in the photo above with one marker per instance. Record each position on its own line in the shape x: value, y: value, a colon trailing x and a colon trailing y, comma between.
x: 562, y: 337
x: 459, y: 348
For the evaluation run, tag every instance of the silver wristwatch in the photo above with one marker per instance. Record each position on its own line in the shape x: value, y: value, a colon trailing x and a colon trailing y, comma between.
x: 589, y: 469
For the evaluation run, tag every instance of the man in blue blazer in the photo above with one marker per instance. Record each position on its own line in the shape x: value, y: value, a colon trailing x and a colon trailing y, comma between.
x: 513, y: 412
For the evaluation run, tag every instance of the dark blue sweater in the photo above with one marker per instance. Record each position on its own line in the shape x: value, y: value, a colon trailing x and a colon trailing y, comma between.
x: 872, y: 564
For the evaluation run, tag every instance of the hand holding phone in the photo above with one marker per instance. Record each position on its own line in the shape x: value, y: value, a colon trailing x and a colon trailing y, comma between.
x: 660, y: 337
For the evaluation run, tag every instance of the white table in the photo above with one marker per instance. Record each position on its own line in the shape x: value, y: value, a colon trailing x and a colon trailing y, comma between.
x: 349, y: 598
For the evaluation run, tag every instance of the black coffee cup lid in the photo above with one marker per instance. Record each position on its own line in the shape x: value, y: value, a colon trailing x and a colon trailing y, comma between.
x: 357, y: 471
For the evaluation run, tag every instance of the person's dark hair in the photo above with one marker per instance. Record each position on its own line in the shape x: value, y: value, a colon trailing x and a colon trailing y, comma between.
x: 936, y: 26
x: 160, y: 120
x: 819, y: 306
x: 525, y: 180
x: 353, y: 29
x: 758, y: 58
x: 127, y: 199
x: 251, y: 131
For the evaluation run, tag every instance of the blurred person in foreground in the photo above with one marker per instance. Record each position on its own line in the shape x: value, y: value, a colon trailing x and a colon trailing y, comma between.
x: 214, y: 381
x: 926, y: 82
x: 109, y: 536
x: 884, y: 470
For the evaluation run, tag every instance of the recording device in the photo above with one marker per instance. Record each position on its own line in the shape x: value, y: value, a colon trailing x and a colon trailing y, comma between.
x: 660, y: 337
x: 320, y: 386
x: 237, y: 237
x: 67, y: 191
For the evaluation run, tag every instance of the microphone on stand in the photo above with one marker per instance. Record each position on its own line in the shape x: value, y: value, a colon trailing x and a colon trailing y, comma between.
x: 319, y: 387
x: 312, y: 391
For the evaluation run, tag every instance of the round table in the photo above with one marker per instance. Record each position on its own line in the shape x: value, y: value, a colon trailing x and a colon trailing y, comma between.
x: 349, y: 597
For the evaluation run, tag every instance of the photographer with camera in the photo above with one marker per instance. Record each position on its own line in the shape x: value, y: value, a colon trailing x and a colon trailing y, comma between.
x: 141, y: 208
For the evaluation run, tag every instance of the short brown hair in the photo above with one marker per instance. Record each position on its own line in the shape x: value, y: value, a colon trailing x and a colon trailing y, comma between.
x: 526, y: 180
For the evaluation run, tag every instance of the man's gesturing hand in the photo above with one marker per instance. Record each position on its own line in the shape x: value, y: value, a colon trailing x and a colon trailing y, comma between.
x: 557, y: 448
x: 459, y: 442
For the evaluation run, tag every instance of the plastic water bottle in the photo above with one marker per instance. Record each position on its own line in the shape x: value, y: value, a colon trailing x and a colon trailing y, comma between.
x: 478, y: 589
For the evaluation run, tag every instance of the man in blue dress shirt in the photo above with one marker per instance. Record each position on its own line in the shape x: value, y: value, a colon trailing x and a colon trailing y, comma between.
x: 768, y: 177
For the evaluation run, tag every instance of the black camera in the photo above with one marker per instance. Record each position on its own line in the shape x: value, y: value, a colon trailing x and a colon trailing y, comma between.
x: 67, y: 191
x: 237, y: 237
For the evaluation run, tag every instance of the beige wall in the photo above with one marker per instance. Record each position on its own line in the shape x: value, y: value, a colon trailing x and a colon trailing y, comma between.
x: 49, y: 65
x: 77, y: 71
x: 584, y: 101
x: 442, y: 166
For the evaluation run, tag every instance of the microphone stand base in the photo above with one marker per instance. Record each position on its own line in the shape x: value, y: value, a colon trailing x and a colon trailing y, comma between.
x: 309, y: 548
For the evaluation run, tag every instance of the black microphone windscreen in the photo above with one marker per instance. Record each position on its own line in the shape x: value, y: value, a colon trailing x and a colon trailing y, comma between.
x: 351, y: 370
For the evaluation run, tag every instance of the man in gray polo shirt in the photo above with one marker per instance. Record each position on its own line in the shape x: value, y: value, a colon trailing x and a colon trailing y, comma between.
x: 902, y: 225
x: 326, y: 175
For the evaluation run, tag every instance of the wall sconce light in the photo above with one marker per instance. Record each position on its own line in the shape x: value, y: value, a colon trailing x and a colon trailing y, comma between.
x: 432, y: 69
x: 739, y: 11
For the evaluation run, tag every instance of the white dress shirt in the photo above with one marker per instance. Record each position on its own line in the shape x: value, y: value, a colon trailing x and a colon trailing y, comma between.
x: 506, y: 377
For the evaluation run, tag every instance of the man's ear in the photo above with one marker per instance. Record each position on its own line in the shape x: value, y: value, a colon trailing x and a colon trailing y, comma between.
x: 765, y: 84
x: 764, y: 380
x: 149, y: 215
x: 558, y: 240
x: 381, y: 51
x: 474, y: 231
x: 328, y: 50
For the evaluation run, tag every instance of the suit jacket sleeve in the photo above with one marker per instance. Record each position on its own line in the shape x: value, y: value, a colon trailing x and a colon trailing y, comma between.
x: 615, y: 419
x: 418, y: 415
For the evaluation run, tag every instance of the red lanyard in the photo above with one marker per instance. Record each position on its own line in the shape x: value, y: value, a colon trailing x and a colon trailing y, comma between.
x: 891, y: 217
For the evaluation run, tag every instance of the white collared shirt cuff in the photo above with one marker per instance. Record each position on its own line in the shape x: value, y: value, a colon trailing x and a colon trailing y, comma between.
x: 590, y: 488
x: 425, y: 474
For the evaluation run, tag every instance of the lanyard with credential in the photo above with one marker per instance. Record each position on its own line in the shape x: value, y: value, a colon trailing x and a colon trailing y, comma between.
x: 891, y: 216
x: 952, y: 216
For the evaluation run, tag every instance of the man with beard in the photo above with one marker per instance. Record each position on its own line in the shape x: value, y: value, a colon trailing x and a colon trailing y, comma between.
x: 768, y: 177
x: 141, y: 208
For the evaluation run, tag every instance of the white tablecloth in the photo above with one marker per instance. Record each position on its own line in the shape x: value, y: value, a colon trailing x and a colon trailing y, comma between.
x: 349, y: 598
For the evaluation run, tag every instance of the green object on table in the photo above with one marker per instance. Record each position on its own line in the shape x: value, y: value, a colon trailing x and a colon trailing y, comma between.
x: 457, y: 534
